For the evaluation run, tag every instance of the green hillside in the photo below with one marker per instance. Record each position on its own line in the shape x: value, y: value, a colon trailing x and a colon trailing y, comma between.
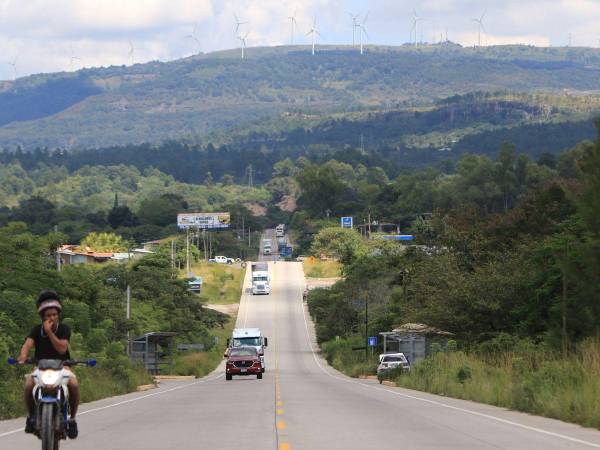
x: 189, y: 98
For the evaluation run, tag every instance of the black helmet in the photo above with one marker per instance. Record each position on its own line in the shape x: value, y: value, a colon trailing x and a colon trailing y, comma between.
x: 48, y: 299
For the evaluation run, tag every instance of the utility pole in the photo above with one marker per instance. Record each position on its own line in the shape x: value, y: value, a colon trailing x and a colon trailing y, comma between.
x: 369, y: 225
x: 250, y: 171
x: 565, y: 337
x: 187, y: 244
x: 128, y: 317
x: 249, y: 234
x: 366, y: 329
x: 173, y: 254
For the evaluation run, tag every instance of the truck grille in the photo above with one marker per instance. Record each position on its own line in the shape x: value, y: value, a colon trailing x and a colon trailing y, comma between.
x: 243, y: 363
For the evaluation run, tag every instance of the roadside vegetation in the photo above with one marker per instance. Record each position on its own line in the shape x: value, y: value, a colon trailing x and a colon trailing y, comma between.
x: 317, y: 268
x: 508, y: 264
x: 94, y: 307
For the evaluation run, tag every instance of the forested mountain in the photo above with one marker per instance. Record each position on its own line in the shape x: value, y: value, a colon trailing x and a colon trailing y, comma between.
x: 191, y: 97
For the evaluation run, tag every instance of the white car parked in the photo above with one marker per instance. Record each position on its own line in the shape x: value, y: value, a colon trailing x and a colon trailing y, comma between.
x: 390, y: 361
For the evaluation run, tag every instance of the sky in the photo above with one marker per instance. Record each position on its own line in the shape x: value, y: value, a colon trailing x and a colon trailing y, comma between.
x: 62, y: 35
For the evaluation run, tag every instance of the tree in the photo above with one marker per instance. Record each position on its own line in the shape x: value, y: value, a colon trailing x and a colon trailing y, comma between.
x: 36, y: 211
x: 161, y: 211
x: 321, y: 189
x: 337, y: 242
x: 121, y: 216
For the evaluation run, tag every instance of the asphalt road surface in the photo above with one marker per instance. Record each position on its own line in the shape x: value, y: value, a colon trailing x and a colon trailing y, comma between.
x: 300, y: 403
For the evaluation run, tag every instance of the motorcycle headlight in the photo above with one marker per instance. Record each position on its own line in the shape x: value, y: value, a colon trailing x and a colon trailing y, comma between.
x: 50, y: 378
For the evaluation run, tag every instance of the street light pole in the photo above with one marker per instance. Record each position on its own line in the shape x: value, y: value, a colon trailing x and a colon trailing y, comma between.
x: 128, y: 316
x: 366, y: 329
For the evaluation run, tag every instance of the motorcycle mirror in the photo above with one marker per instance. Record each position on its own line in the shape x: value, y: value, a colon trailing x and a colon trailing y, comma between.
x: 12, y: 361
x: 91, y: 363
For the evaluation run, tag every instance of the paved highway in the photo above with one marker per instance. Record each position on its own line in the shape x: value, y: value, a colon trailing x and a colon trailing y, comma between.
x: 301, y: 403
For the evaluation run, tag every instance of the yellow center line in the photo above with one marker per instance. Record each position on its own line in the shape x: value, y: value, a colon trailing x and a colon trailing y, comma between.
x: 280, y: 425
x: 284, y: 446
x: 280, y: 412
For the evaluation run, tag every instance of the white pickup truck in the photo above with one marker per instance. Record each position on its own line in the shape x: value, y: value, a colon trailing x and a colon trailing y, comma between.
x: 222, y: 260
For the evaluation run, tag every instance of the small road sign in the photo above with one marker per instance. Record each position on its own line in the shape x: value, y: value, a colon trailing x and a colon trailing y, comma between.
x: 347, y: 222
x: 372, y: 341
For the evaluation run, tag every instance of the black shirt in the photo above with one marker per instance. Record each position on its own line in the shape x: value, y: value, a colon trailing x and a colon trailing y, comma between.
x: 43, y: 345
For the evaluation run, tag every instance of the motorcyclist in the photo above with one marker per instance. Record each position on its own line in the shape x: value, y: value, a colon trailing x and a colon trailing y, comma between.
x: 51, y: 341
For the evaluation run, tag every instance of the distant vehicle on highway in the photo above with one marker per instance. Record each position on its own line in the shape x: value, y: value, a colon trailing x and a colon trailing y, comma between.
x: 222, y: 260
x: 260, y: 279
x: 243, y: 361
x: 267, y: 247
x: 391, y: 361
x: 248, y: 337
x: 280, y: 230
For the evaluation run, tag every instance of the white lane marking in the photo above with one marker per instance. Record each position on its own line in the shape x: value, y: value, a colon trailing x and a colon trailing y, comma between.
x: 124, y: 402
x: 444, y: 405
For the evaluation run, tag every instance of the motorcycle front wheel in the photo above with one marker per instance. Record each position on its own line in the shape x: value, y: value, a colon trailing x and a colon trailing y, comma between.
x: 47, y: 432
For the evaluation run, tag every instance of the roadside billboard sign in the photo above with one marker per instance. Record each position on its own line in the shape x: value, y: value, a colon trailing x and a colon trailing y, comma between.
x: 204, y: 221
x: 347, y: 222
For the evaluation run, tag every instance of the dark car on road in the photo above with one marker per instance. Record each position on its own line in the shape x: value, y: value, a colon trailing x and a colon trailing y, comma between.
x: 243, y: 361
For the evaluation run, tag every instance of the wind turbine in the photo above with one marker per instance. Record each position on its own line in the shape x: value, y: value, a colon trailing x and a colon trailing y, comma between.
x: 355, y: 25
x: 361, y: 30
x: 72, y: 59
x: 416, y: 20
x: 293, y: 23
x: 480, y: 27
x: 131, y: 54
x: 238, y: 23
x: 242, y: 40
x: 313, y: 31
x: 13, y: 64
x: 194, y: 37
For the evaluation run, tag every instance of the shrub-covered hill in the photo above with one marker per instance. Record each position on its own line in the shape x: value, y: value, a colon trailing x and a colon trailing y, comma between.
x: 157, y: 101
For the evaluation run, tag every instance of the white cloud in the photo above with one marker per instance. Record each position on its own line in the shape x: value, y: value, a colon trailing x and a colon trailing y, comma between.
x: 42, y: 32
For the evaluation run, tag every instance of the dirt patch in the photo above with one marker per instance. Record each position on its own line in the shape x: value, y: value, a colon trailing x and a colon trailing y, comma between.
x: 256, y: 209
x: 288, y: 203
x: 314, y: 283
x: 230, y: 310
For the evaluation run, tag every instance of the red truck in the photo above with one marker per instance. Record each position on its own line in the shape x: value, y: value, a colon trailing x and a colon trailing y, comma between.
x: 243, y: 361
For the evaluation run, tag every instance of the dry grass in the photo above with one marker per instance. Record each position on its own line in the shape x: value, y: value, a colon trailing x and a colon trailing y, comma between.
x: 316, y: 268
x: 222, y: 284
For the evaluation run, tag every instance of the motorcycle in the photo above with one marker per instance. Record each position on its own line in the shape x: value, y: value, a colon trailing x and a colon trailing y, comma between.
x: 51, y: 397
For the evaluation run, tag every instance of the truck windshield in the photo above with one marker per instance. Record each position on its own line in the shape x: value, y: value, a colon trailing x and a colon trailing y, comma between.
x: 241, y: 342
x: 261, y: 278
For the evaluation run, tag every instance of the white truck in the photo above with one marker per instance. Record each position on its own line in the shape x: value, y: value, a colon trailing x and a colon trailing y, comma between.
x: 249, y: 337
x: 260, y: 279
x: 222, y: 260
x: 280, y: 230
x: 267, y: 247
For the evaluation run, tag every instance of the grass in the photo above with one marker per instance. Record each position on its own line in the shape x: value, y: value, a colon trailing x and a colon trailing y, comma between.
x: 316, y: 268
x: 540, y: 383
x: 222, y: 284
x: 535, y: 381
